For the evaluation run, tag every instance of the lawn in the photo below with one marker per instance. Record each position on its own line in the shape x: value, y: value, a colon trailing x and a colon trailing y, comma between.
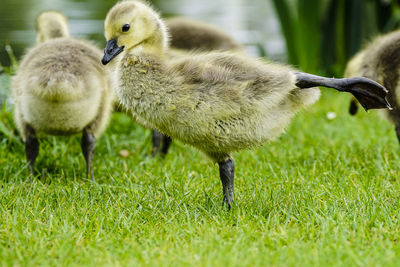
x: 325, y: 193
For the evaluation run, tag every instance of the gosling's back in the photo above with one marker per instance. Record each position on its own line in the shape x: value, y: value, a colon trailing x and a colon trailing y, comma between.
x: 60, y: 86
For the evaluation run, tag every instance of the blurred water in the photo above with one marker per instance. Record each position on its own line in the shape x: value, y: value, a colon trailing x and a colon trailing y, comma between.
x: 252, y: 22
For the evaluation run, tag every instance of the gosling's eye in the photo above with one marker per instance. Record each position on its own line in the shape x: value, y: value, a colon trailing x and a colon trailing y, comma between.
x: 126, y: 28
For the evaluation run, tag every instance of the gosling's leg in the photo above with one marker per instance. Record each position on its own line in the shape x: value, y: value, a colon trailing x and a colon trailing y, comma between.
x: 370, y: 94
x: 227, y: 175
x: 157, y: 140
x: 88, y: 144
x: 353, y: 107
x: 166, y: 144
x: 31, y: 147
x: 161, y: 143
x: 398, y: 132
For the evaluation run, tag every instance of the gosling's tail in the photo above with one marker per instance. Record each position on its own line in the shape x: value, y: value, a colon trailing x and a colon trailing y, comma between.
x: 309, y: 96
x: 63, y: 87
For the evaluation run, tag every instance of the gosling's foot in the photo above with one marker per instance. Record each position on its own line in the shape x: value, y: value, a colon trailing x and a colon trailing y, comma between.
x: 228, y: 200
x: 369, y: 93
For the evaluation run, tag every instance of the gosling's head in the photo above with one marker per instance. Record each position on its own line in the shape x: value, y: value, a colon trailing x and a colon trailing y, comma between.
x: 130, y: 25
x: 50, y: 25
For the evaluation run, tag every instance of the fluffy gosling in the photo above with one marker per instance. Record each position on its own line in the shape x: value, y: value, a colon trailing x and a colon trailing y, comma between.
x: 50, y: 25
x: 188, y: 34
x: 61, y: 89
x: 218, y: 102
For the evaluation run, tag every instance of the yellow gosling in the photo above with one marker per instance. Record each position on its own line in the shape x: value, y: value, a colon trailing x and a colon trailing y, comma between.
x: 218, y: 102
x: 61, y: 88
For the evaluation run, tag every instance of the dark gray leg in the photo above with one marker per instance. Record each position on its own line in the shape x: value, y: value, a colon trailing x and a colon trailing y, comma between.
x: 227, y: 175
x: 166, y: 144
x: 88, y: 144
x: 157, y: 140
x: 161, y: 143
x: 353, y: 107
x: 398, y: 132
x: 31, y: 147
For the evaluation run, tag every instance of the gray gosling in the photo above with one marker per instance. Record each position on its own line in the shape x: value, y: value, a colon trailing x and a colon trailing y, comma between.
x: 218, y: 102
x: 380, y: 61
x: 61, y: 89
x: 188, y: 34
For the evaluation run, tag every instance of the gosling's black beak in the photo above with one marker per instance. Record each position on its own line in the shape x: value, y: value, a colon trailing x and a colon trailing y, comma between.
x: 111, y: 51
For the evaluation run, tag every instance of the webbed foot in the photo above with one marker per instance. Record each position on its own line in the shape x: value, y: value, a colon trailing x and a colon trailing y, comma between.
x: 369, y: 93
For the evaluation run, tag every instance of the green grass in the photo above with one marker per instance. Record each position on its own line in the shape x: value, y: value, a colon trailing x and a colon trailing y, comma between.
x: 325, y: 193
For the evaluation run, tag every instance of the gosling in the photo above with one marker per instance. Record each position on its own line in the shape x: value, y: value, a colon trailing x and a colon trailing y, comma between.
x: 380, y: 61
x: 218, y: 102
x: 187, y: 34
x: 61, y: 89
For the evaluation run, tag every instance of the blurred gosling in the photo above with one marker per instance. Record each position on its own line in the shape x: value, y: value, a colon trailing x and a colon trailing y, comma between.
x: 189, y: 34
x: 50, y: 25
x: 219, y: 102
x: 380, y: 61
x: 61, y: 89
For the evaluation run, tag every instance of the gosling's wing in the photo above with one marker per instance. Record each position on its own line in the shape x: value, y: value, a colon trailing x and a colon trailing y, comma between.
x: 225, y: 68
x: 201, y: 68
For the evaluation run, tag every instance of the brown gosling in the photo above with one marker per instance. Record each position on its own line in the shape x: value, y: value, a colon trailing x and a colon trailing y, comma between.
x: 191, y: 34
x: 61, y: 89
x: 380, y: 61
x: 188, y: 34
x: 218, y: 102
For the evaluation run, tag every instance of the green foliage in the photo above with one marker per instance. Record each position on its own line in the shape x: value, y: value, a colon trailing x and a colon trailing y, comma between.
x: 13, y: 59
x: 321, y: 35
x: 7, y: 128
x: 325, y: 193
x: 12, y: 68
